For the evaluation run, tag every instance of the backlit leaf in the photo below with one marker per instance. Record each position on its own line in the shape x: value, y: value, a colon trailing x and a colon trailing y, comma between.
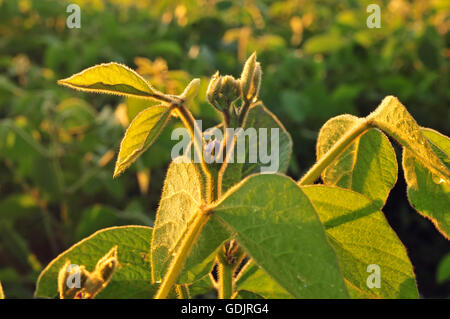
x: 368, y: 165
x: 428, y: 194
x: 275, y: 223
x: 393, y: 118
x: 140, y: 135
x: 180, y: 200
x: 111, y: 78
x: 361, y: 236
x: 132, y: 277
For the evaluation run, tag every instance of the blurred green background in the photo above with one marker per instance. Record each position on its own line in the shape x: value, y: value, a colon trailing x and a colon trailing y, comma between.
x: 58, y: 146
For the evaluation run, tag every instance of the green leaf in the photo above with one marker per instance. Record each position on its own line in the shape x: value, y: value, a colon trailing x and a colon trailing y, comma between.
x: 110, y: 78
x: 132, y: 277
x: 201, y: 287
x: 368, y: 165
x: 361, y: 236
x: 181, y: 198
x: 443, y: 272
x: 136, y: 106
x: 140, y: 135
x: 429, y: 194
x: 275, y: 223
x: 392, y: 117
x: 260, y: 117
x: 255, y: 280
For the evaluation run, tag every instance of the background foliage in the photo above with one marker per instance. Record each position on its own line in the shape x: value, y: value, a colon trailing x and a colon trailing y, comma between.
x: 319, y: 59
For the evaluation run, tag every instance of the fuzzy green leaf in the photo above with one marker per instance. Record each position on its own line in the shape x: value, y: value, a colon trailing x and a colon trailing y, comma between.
x: 110, y: 78
x: 260, y: 117
x: 393, y: 118
x: 361, y: 236
x: 140, y: 135
x: 427, y: 193
x: 132, y: 277
x: 275, y: 223
x: 181, y: 198
x: 368, y: 165
x: 254, y: 279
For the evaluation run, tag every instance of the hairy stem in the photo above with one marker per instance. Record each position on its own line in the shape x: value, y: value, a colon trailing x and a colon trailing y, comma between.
x: 164, y: 98
x: 225, y: 280
x: 183, y: 292
x: 197, y: 139
x: 242, y: 117
x: 243, y: 113
x: 178, y: 262
x: 314, y: 172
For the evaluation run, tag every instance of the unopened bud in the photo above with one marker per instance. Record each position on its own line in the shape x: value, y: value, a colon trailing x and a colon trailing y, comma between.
x: 231, y: 89
x: 107, y: 264
x: 213, y: 88
x: 86, y: 285
x: 251, y: 79
x: 223, y: 91
x: 71, y: 279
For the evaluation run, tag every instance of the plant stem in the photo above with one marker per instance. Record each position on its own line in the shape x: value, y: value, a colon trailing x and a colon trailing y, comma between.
x: 314, y: 172
x: 243, y: 113
x: 189, y: 122
x: 225, y: 280
x: 167, y: 98
x: 178, y: 262
x: 183, y: 292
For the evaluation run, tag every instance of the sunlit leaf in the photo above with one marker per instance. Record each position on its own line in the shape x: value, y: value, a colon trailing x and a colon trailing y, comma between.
x: 429, y: 194
x: 111, y: 78
x: 361, y: 236
x: 393, y: 118
x: 276, y: 224
x: 180, y: 200
x: 131, y: 279
x: 368, y: 165
x: 140, y: 135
